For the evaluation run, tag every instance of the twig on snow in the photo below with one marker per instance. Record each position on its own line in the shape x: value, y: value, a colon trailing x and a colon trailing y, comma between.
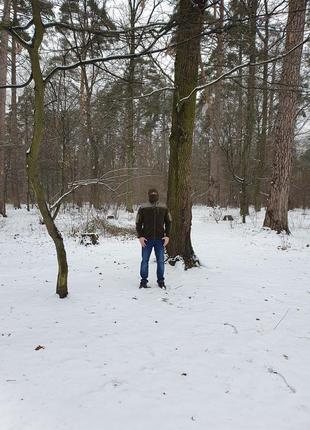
x: 281, y: 319
x: 234, y: 327
x: 292, y: 389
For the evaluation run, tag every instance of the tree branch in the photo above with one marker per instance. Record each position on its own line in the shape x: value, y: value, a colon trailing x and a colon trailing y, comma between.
x: 113, y: 57
x: 242, y: 66
x: 23, y: 27
x: 8, y: 27
x: 96, y: 181
x: 105, y: 33
x: 25, y: 84
x: 159, y: 90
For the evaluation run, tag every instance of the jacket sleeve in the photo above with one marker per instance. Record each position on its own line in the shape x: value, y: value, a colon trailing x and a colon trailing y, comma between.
x: 139, y: 222
x: 168, y: 221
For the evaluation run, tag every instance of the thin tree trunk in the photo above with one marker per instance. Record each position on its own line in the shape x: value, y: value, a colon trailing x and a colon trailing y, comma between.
x: 15, y: 152
x: 262, y: 142
x: 164, y: 141
x: 240, y: 109
x: 216, y: 188
x: 190, y: 19
x: 130, y: 109
x: 130, y: 138
x: 276, y: 216
x: 27, y: 142
x: 94, y: 152
x: 88, y: 133
x: 271, y: 115
x: 3, y: 128
x: 33, y: 154
x: 250, y: 114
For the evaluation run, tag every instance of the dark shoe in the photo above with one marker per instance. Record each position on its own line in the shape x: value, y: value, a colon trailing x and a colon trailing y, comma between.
x: 162, y: 285
x: 143, y: 284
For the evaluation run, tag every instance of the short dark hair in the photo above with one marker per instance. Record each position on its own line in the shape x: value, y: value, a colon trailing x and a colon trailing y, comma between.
x: 152, y: 191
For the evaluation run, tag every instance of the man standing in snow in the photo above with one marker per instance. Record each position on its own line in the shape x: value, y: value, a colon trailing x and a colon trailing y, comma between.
x: 153, y: 226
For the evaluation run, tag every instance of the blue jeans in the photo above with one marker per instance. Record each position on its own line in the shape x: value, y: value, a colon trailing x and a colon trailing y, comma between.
x: 158, y: 246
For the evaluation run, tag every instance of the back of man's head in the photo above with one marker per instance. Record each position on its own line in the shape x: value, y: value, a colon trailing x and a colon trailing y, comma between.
x: 153, y: 195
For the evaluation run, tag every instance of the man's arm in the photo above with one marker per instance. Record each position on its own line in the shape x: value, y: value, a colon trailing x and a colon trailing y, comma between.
x: 139, y: 226
x: 139, y: 222
x: 168, y: 220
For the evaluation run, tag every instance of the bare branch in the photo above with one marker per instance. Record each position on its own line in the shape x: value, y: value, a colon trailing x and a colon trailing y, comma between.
x: 25, y: 84
x: 143, y: 52
x: 242, y: 66
x: 23, y: 27
x: 8, y: 27
x: 94, y: 181
x: 281, y: 319
x: 159, y: 90
x: 114, y: 57
x: 292, y: 389
x: 105, y: 33
x: 233, y: 327
x: 161, y: 69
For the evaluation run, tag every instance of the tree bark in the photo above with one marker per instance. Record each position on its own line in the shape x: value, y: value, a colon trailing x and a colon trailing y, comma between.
x: 276, y: 216
x: 188, y: 36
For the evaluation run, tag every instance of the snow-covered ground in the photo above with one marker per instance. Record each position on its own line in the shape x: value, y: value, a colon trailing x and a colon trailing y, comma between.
x: 226, y: 347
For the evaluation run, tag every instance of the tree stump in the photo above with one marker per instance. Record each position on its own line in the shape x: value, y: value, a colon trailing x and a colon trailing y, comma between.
x: 228, y: 218
x: 89, y: 239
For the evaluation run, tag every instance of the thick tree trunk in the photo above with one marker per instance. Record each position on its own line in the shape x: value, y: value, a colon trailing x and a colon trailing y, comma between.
x: 3, y: 128
x: 277, y: 209
x: 33, y: 154
x: 190, y: 18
